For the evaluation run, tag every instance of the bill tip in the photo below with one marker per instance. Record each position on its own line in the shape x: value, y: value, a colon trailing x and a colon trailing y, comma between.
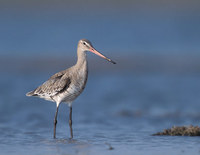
x: 112, y: 61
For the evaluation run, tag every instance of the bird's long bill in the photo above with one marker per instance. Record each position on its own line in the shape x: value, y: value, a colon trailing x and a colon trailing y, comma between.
x: 101, y: 55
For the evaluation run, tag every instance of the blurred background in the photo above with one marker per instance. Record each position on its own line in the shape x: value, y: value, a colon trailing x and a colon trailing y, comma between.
x: 162, y: 35
x: 154, y: 85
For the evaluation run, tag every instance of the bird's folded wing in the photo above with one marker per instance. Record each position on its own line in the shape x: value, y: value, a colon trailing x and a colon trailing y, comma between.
x: 53, y: 86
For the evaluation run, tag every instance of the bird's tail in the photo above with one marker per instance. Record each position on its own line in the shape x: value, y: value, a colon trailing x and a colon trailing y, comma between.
x: 31, y: 93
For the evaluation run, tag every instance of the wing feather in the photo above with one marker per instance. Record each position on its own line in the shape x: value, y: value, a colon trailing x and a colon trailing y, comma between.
x: 57, y: 83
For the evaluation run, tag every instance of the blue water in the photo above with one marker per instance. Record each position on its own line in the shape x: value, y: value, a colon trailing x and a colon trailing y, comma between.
x: 43, y: 30
x: 154, y: 85
x: 118, y: 110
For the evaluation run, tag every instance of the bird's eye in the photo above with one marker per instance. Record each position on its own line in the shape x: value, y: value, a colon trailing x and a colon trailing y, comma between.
x: 84, y: 43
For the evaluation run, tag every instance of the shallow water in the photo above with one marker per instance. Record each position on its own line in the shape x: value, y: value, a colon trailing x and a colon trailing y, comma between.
x: 120, y: 108
x: 121, y: 111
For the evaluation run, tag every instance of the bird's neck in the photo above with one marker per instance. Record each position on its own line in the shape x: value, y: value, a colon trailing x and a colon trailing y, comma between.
x: 81, y: 59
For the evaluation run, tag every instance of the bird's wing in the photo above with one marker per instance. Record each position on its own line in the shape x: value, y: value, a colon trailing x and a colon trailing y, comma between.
x: 53, y: 86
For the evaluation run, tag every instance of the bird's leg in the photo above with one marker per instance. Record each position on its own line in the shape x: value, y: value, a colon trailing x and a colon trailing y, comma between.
x: 55, y: 122
x: 70, y: 122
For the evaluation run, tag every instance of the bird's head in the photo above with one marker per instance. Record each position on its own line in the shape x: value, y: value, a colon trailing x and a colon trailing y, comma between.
x: 85, y: 45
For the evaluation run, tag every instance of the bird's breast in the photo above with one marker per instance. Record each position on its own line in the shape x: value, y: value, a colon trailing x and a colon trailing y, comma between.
x: 77, y: 85
x: 80, y: 80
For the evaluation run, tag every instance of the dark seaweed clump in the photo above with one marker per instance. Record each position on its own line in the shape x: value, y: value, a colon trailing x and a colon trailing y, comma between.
x: 180, y: 131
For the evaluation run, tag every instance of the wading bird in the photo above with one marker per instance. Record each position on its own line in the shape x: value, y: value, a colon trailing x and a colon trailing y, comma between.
x: 67, y: 85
